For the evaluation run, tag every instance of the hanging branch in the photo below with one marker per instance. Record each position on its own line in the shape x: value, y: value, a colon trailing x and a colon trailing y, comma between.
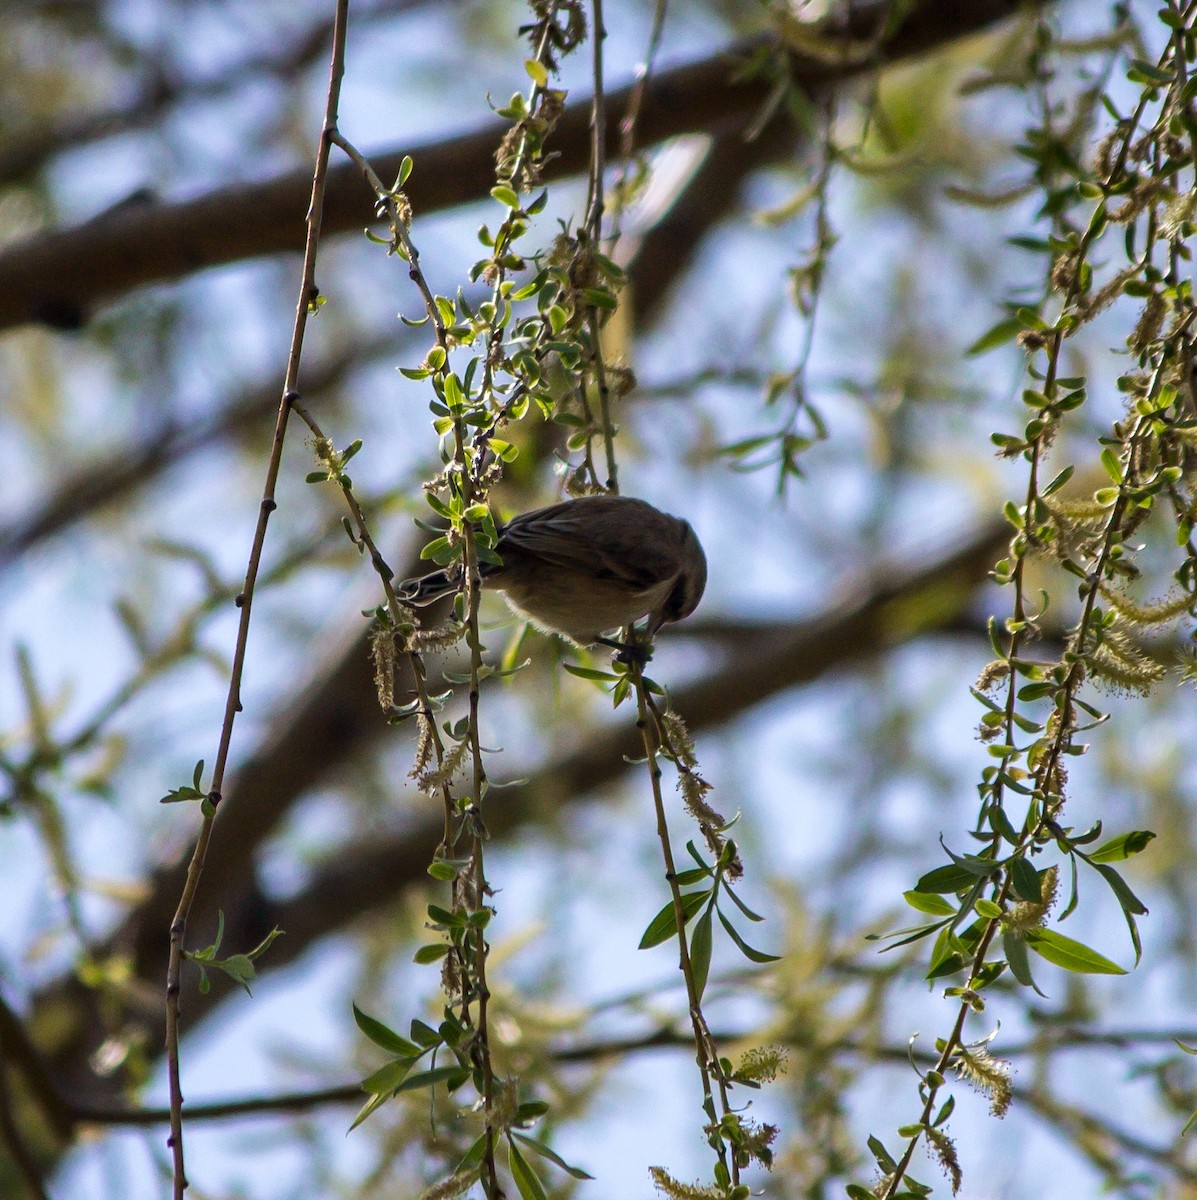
x: 999, y: 886
x: 308, y: 297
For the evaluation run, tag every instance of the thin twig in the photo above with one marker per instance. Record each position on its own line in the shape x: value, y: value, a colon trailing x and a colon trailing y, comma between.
x: 307, y: 298
x: 705, y: 1048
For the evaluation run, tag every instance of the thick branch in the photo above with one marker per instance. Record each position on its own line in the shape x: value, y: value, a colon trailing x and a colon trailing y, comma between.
x: 57, y: 278
x: 338, y: 720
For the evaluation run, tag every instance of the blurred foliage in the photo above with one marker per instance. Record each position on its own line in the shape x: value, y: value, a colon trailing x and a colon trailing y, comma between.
x: 911, y: 213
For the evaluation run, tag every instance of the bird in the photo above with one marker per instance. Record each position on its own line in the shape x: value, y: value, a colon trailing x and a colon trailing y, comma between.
x: 584, y: 567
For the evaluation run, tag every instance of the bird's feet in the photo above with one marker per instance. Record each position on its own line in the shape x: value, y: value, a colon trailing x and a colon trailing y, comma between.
x: 630, y: 653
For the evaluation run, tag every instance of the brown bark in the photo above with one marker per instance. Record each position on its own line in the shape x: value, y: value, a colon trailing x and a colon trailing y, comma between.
x: 60, y: 276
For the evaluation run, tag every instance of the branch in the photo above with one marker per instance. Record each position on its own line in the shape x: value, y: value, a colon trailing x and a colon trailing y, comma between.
x: 57, y: 278
x: 23, y: 153
x: 340, y: 718
x: 1075, y: 1123
x: 105, y: 482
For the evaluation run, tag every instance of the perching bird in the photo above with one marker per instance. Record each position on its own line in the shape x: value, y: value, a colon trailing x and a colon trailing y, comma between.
x: 587, y: 566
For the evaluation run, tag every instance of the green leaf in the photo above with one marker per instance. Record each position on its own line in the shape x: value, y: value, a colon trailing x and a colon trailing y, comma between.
x: 664, y: 926
x: 385, y: 1080
x: 454, y: 396
x: 1126, y: 898
x: 590, y: 673
x: 424, y: 1035
x: 505, y: 195
x: 375, y: 1102
x: 544, y: 1151
x: 238, y: 967
x: 453, y: 1076
x: 1001, y: 333
x: 1069, y: 954
x: 735, y: 899
x: 951, y: 878
x: 1142, y: 71
x: 192, y: 792
x: 1116, y: 849
x: 1130, y: 904
x: 749, y: 952
x: 382, y: 1035
x: 929, y: 903
x: 503, y: 450
x: 979, y: 868
x: 526, y: 1179
x: 1014, y: 947
x: 946, y: 957
x: 537, y: 71
x: 1025, y: 880
x: 915, y: 934
x: 882, y: 1155
x: 431, y: 953
x: 1059, y: 481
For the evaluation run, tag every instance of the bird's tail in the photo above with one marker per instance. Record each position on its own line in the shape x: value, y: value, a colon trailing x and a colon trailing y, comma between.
x: 427, y: 588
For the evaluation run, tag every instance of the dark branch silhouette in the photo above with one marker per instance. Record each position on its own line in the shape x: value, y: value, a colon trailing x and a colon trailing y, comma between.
x: 59, y: 277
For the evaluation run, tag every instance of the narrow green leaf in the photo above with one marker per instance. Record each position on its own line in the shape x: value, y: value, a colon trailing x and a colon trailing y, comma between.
x: 979, y: 868
x: 1069, y: 954
x: 1014, y: 948
x: 915, y: 934
x: 1001, y: 333
x: 946, y: 958
x: 385, y: 1080
x: 1116, y: 849
x: 735, y: 899
x: 526, y: 1179
x: 664, y: 926
x: 375, y: 1102
x: 434, y: 547
x: 700, y: 951
x: 749, y: 952
x: 1059, y: 481
x: 544, y: 1151
x: 944, y: 880
x: 474, y: 1155
x: 590, y: 673
x: 424, y: 1035
x: 930, y: 903
x: 1142, y: 71
x: 882, y: 1155
x: 382, y: 1035
x: 1126, y: 898
x: 1025, y: 880
x: 453, y: 1076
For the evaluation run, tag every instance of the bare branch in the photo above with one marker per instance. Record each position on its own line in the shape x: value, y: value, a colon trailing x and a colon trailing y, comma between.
x: 58, y: 277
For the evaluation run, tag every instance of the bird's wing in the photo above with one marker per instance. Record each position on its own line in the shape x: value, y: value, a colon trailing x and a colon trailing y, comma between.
x: 590, y: 536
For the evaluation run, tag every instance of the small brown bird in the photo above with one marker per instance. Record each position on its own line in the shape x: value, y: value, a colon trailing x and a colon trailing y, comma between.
x: 587, y: 566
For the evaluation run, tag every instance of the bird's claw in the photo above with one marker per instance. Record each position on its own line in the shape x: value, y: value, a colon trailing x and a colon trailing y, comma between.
x: 635, y: 653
